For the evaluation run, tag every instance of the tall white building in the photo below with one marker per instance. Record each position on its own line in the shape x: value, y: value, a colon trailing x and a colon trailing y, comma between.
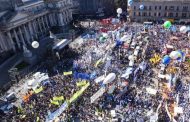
x: 160, y: 10
x: 30, y: 21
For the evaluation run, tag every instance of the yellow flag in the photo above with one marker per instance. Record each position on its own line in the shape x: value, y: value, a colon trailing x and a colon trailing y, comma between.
x: 60, y: 98
x: 54, y: 102
x: 68, y: 73
x: 38, y: 119
x: 98, y: 62
x: 38, y: 90
x: 79, y: 93
x: 155, y: 59
x: 82, y: 83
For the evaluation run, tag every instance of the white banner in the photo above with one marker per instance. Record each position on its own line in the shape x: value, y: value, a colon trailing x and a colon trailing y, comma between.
x: 98, y: 94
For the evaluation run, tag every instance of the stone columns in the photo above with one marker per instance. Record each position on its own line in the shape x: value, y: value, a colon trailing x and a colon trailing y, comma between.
x: 31, y: 30
x: 39, y: 25
x: 11, y: 41
x: 60, y: 19
x: 26, y: 34
x: 46, y: 20
x: 50, y: 19
x: 35, y: 28
x: 16, y: 37
x: 54, y: 19
x: 43, y: 23
x: 65, y: 20
x: 21, y: 36
x: 2, y: 42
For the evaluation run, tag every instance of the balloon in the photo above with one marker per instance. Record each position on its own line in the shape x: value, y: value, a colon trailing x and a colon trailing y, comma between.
x: 109, y: 78
x: 119, y: 11
x: 175, y: 55
x: 188, y: 34
x: 102, y: 39
x: 130, y: 2
x: 35, y: 44
x: 131, y: 57
x: 166, y: 60
x: 119, y: 43
x: 141, y: 7
x: 183, y: 29
x: 105, y: 35
x: 167, y: 24
x: 173, y: 28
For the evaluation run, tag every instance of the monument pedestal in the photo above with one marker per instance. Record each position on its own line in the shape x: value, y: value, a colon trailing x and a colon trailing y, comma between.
x: 29, y: 57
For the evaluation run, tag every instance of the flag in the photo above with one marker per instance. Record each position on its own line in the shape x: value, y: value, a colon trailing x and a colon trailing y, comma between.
x: 59, y: 98
x: 68, y: 73
x: 38, y: 90
x: 98, y: 62
x: 82, y: 83
x: 54, y: 102
x: 79, y: 93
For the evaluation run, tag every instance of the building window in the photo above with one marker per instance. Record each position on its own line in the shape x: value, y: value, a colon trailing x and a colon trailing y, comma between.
x: 165, y: 14
x: 176, y: 15
x: 166, y: 7
x: 170, y: 14
x: 185, y: 8
x: 134, y: 13
x: 144, y: 14
x: 159, y: 14
x: 177, y: 8
x: 160, y: 7
x: 184, y: 15
x: 150, y: 8
x: 155, y: 7
x: 149, y: 14
x: 171, y: 8
x: 134, y: 7
x: 139, y: 13
x: 145, y: 7
x: 154, y: 14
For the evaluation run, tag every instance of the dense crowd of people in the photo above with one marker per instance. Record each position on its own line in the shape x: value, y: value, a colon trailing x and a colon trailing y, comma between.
x: 129, y: 98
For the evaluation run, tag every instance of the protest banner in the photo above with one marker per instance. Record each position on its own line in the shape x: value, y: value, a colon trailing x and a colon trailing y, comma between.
x: 98, y: 94
x: 58, y: 98
x: 67, y: 73
x: 38, y: 90
x: 54, y: 115
x: 79, y: 93
x: 82, y: 83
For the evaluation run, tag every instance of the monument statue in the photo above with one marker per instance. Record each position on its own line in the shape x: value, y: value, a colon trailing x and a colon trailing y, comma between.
x: 27, y: 53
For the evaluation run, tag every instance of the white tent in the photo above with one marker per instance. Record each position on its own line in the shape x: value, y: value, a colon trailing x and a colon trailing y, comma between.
x: 128, y: 71
x: 124, y: 38
x: 109, y: 78
x: 151, y: 91
x: 99, y: 79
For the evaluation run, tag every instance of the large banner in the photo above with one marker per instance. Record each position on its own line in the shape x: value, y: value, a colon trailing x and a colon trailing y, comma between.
x: 57, y: 113
x: 79, y: 93
x: 64, y: 106
x: 98, y: 94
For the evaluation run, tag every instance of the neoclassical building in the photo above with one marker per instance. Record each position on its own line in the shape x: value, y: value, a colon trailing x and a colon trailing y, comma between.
x: 30, y: 21
x: 160, y: 10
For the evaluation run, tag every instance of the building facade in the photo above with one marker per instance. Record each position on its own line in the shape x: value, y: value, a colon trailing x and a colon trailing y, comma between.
x: 160, y: 10
x: 92, y: 7
x: 30, y: 21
